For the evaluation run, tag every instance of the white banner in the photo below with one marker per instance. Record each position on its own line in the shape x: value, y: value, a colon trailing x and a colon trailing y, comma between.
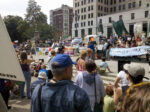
x: 9, y: 65
x: 125, y: 52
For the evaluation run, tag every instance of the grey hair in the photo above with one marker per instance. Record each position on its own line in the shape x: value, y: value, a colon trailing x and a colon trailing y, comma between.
x: 56, y: 70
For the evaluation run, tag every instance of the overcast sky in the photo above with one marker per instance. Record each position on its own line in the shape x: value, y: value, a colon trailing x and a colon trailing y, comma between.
x: 18, y: 7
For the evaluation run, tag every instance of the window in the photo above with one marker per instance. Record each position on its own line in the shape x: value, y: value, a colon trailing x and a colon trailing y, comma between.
x: 114, y: 9
x: 119, y: 7
x: 88, y: 8
x: 78, y: 4
x: 78, y: 11
x: 101, y: 1
x: 105, y: 2
x: 90, y: 31
x: 129, y: 5
x: 119, y: 0
x: 111, y: 2
x: 132, y: 16
x: 124, y: 6
x: 88, y: 23
x: 133, y: 4
x: 99, y: 14
x: 84, y: 23
x: 84, y: 9
x: 105, y: 10
x: 140, y: 3
x: 91, y: 0
x: 88, y: 15
x: 110, y: 20
x: 81, y: 2
x: 120, y: 17
x: 114, y: 1
x: 92, y: 7
x: 100, y: 21
x: 91, y: 15
x: 101, y: 8
x: 84, y: 1
x: 148, y: 5
x: 91, y: 23
x: 110, y: 9
x: 146, y: 14
x: 88, y: 1
x: 84, y: 16
x: 81, y: 24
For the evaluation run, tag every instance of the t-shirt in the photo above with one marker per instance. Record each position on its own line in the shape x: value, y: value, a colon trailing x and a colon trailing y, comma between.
x: 123, y: 76
x: 103, y: 65
x: 109, y: 105
x: 86, y: 81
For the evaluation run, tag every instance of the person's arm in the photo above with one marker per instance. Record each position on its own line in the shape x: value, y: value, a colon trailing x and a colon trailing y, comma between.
x: 116, y: 82
x: 109, y: 69
x: 117, y: 95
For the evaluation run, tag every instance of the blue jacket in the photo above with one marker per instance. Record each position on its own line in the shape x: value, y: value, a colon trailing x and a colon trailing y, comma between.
x: 62, y: 96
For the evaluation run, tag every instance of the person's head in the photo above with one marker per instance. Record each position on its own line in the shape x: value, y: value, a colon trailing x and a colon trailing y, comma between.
x: 61, y: 50
x: 23, y: 56
x: 53, y: 53
x: 137, y: 99
x: 83, y: 54
x: 90, y: 66
x: 109, y: 90
x: 103, y: 59
x: 89, y: 51
x: 42, y: 75
x: 62, y: 67
x: 135, y: 72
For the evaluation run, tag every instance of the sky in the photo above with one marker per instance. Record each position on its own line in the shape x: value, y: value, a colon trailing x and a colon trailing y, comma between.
x: 18, y: 7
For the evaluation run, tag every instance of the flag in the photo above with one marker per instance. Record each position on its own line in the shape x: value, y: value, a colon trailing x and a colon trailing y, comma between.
x: 119, y: 27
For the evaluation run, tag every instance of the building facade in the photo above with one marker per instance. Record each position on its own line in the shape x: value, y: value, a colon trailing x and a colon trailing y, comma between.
x: 88, y: 14
x: 62, y: 19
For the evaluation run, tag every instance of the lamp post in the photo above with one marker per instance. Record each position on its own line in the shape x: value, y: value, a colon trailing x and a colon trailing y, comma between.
x: 75, y: 18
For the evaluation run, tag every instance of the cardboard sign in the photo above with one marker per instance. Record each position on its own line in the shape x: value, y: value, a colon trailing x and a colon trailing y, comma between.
x: 9, y: 64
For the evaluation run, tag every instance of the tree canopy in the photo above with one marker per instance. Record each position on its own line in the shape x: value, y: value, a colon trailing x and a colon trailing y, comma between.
x: 35, y: 20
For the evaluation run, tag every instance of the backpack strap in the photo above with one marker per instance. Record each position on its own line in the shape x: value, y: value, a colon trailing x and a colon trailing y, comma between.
x: 39, y: 96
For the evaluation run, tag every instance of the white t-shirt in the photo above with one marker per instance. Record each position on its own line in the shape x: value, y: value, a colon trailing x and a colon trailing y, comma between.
x: 123, y: 76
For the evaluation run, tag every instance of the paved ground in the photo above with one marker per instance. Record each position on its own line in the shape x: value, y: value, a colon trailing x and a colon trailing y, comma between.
x: 23, y: 105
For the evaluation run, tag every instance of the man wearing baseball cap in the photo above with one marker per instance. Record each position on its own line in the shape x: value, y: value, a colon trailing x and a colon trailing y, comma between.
x: 60, y: 94
x: 135, y: 73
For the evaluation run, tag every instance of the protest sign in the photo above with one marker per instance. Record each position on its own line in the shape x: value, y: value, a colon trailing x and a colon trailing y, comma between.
x: 126, y: 52
x: 9, y: 64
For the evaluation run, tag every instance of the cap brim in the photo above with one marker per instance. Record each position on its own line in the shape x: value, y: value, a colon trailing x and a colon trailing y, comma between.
x: 73, y: 62
x: 146, y: 78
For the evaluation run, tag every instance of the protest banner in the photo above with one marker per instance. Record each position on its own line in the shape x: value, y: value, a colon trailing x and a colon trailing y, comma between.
x: 126, y: 52
x: 9, y: 64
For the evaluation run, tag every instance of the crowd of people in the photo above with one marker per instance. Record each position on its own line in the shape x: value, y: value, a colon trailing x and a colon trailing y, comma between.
x: 55, y: 90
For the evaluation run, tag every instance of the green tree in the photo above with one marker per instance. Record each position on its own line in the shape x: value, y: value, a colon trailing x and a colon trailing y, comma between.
x: 34, y: 15
x: 12, y: 23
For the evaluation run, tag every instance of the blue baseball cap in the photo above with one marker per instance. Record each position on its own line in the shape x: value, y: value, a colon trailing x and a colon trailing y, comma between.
x: 63, y: 60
